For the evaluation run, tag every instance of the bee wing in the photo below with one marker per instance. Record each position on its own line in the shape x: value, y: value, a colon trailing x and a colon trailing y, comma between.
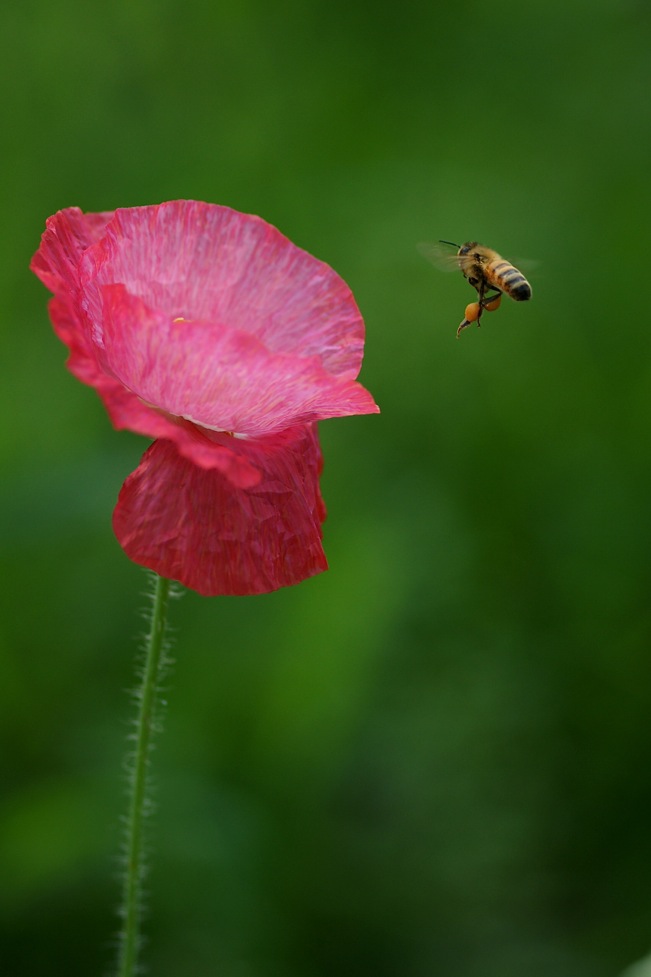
x: 442, y: 256
x: 527, y: 264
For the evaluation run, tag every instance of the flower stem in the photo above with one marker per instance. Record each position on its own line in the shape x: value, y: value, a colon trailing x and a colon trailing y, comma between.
x: 146, y: 697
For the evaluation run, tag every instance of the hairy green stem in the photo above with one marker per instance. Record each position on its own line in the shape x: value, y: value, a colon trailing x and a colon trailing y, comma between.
x: 146, y: 697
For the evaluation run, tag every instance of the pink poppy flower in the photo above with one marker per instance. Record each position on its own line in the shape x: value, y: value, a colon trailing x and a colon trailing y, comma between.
x: 211, y: 332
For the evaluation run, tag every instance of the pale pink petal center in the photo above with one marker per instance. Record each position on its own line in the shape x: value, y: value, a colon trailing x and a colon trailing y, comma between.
x: 221, y: 379
x: 206, y: 262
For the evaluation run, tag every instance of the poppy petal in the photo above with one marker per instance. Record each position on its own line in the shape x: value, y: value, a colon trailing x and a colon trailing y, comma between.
x: 217, y: 377
x: 206, y: 262
x: 191, y: 525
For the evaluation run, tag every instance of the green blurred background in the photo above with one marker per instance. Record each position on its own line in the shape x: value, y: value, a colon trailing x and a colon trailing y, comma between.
x: 434, y: 759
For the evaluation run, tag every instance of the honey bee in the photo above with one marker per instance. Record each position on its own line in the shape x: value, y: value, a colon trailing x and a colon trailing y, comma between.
x: 489, y: 274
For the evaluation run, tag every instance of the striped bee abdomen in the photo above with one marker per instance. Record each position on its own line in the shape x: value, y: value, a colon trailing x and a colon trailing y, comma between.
x: 508, y: 279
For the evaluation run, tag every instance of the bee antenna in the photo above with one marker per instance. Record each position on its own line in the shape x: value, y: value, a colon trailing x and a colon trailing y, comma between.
x: 450, y: 242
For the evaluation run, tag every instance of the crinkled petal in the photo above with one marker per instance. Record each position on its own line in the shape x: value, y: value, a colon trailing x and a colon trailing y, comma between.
x: 129, y: 412
x: 191, y: 525
x: 207, y: 262
x: 281, y: 347
x: 69, y: 327
x: 67, y: 235
x: 218, y: 377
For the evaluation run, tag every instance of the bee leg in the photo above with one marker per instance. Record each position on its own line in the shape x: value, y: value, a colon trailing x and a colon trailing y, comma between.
x: 489, y: 298
x: 463, y: 325
x: 481, y: 291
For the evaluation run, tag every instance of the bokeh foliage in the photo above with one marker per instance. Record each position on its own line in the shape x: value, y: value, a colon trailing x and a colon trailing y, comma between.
x: 433, y: 759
